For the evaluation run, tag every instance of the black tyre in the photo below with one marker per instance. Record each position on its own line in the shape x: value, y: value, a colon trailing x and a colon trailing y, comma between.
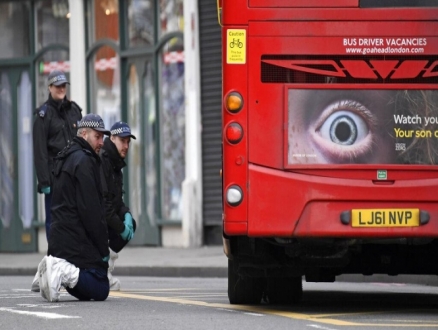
x: 284, y: 290
x: 243, y: 290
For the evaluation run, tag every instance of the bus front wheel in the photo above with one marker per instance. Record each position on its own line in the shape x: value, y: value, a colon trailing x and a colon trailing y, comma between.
x: 243, y: 290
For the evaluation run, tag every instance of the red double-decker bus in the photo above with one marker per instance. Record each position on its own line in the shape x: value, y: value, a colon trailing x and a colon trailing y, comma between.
x: 330, y: 142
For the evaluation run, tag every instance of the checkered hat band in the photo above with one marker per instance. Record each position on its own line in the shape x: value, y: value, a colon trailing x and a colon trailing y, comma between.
x: 57, y: 78
x: 120, y: 130
x: 91, y: 124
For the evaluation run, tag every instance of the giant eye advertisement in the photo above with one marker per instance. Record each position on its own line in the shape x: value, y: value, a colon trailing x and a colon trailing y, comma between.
x: 362, y: 126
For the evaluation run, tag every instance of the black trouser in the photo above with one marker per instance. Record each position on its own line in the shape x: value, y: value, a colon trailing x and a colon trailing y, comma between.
x: 116, y: 242
x: 48, y: 204
x: 92, y: 284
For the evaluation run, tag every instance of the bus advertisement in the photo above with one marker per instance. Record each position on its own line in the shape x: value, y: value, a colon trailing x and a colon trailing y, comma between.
x: 330, y: 142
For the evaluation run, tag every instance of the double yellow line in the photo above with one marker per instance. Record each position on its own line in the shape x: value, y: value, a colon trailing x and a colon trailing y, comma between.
x: 322, y: 318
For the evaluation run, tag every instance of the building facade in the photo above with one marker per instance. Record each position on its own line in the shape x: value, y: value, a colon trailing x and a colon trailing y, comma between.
x: 139, y: 61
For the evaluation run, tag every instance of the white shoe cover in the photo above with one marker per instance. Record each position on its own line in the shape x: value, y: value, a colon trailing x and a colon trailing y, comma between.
x: 113, y: 281
x: 48, y: 284
x: 70, y: 273
x: 112, y: 260
x: 36, y: 282
x: 53, y: 273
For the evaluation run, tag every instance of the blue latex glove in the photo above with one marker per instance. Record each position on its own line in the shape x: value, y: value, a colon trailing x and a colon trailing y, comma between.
x: 105, y: 259
x: 128, y: 220
x: 128, y: 233
x: 45, y: 190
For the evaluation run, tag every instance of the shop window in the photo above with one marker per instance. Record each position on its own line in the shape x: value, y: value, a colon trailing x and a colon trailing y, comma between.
x: 171, y: 16
x: 7, y: 172
x: 105, y: 85
x: 172, y: 128
x: 105, y: 20
x: 141, y: 22
x: 150, y: 143
x: 136, y: 146
x: 14, y: 27
x: 25, y: 164
x: 52, y: 23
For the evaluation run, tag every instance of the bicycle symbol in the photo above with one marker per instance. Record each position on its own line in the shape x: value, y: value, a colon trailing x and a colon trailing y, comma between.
x: 236, y: 42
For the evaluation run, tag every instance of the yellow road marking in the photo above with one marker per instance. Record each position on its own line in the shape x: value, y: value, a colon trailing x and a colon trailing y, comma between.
x: 162, y: 290
x: 263, y: 310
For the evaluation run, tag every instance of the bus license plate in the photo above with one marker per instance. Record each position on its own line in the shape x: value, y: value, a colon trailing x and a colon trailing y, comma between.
x: 385, y: 218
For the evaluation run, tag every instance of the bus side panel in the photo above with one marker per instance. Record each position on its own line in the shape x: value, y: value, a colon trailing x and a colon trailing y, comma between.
x: 237, y: 13
x: 267, y: 124
x: 303, y: 3
x: 235, y: 155
x: 289, y: 204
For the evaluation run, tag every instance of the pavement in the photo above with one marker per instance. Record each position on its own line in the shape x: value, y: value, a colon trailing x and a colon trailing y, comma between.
x: 206, y: 261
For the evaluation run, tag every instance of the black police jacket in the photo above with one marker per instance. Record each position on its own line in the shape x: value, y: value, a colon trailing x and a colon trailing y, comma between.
x: 112, y: 185
x: 54, y: 127
x: 78, y: 232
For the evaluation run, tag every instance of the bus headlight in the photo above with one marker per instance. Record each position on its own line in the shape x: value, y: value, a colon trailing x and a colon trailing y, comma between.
x: 234, y: 195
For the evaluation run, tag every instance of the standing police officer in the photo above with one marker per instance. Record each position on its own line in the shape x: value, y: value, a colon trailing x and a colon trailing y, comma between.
x: 54, y: 127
